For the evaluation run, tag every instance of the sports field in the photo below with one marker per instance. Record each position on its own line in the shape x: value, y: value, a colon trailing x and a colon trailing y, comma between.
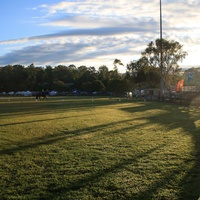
x: 84, y: 148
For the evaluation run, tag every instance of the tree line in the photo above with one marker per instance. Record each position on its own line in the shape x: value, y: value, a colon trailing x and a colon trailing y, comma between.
x: 143, y: 73
x: 64, y: 79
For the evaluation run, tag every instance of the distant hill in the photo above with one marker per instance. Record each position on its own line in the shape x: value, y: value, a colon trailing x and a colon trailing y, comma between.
x: 186, y: 67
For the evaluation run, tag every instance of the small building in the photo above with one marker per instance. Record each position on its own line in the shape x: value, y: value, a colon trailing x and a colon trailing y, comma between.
x: 151, y: 94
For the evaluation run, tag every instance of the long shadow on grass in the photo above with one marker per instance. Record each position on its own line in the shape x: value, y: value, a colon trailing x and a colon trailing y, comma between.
x: 40, y: 120
x: 190, y: 184
x: 90, y: 180
x: 48, y: 107
x: 47, y: 140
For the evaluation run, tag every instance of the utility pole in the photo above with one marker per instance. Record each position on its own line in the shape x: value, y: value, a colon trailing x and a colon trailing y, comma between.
x: 161, y: 55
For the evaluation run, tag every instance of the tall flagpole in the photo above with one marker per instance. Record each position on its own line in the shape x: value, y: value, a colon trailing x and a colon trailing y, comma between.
x: 161, y: 54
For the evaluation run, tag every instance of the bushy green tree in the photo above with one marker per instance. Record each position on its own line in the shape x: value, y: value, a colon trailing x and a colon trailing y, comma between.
x: 172, y: 53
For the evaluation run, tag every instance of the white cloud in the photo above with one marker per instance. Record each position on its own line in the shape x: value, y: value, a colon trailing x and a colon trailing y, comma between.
x: 104, y: 8
x: 98, y: 31
x: 78, y: 51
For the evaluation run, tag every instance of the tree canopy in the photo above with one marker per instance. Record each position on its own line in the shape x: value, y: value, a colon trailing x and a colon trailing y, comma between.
x: 172, y: 53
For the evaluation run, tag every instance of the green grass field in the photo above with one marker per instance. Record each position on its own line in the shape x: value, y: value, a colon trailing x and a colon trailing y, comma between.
x: 79, y: 148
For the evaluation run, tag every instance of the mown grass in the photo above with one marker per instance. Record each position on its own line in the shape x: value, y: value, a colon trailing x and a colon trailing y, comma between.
x: 98, y: 148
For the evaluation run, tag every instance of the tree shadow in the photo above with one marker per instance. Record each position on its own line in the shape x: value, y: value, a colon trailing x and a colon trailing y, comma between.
x: 190, y: 184
x: 39, y: 120
x: 55, y: 191
x: 47, y: 107
x: 65, y: 134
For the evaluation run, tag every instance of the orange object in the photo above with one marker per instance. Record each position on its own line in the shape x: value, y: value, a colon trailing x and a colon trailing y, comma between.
x: 179, y: 85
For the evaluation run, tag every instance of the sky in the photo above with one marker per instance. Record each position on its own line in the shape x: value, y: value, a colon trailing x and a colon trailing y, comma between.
x: 94, y: 33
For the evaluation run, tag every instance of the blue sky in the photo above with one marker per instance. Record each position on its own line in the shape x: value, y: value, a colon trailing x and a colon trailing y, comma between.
x: 93, y: 33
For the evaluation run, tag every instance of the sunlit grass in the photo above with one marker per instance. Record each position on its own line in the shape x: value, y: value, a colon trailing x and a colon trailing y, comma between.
x: 98, y: 148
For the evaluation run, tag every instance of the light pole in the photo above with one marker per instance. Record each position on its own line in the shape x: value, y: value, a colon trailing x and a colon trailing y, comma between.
x: 161, y: 55
x: 160, y: 19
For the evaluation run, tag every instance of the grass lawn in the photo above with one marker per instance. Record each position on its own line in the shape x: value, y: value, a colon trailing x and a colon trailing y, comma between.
x: 83, y: 148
